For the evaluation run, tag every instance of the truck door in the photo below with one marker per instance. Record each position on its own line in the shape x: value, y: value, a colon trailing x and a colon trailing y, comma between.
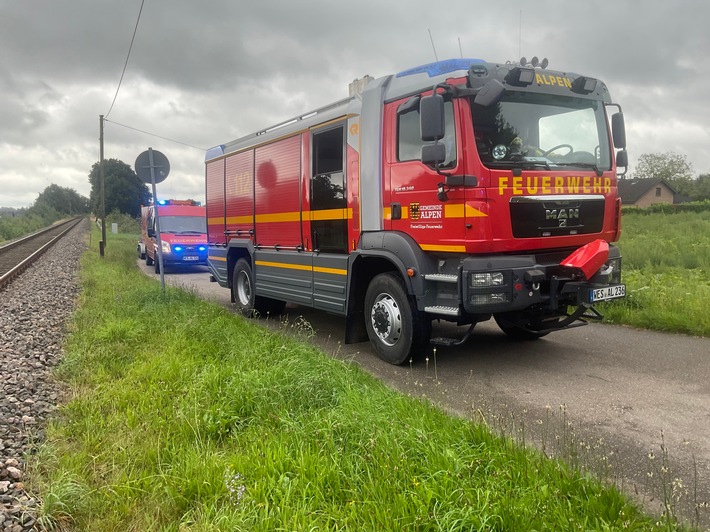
x: 329, y: 217
x: 412, y: 203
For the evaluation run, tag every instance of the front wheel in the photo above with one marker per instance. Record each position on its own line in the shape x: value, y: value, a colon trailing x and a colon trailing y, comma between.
x: 396, y: 328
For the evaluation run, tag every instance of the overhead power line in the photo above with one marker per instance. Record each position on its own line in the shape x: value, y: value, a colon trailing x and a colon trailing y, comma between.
x: 127, y: 57
x: 154, y: 135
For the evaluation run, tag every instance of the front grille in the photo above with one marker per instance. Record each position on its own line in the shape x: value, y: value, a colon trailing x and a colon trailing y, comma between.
x: 543, y: 216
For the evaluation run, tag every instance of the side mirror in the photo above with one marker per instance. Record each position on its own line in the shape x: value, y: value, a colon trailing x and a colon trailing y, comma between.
x: 490, y: 93
x: 622, y: 158
x: 618, y: 130
x: 431, y: 117
x: 151, y: 233
x: 433, y: 154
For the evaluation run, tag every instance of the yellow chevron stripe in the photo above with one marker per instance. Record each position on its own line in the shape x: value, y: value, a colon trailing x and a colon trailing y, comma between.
x: 461, y: 210
x: 446, y: 249
x: 301, y: 267
x: 294, y: 216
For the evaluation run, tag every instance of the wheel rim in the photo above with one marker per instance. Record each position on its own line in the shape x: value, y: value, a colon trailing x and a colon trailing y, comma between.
x: 243, y: 288
x: 386, y: 319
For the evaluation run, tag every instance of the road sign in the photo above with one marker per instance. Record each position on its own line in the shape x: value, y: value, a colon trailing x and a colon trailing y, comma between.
x: 159, y: 164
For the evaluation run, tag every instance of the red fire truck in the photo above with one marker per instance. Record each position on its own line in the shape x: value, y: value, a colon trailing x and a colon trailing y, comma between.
x: 183, y: 233
x: 459, y: 190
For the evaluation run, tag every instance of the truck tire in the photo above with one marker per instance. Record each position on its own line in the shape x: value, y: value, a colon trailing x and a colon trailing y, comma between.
x: 396, y: 328
x: 156, y: 265
x: 148, y: 260
x: 245, y: 298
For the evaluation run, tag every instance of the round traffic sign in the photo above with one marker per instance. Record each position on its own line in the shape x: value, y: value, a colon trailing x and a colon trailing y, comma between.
x: 160, y: 166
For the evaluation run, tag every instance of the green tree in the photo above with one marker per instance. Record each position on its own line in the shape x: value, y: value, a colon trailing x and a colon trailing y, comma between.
x: 123, y: 190
x: 702, y: 188
x: 671, y: 166
x: 63, y: 200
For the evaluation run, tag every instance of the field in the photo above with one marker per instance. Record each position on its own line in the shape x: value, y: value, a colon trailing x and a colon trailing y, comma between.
x: 666, y: 266
x: 186, y: 417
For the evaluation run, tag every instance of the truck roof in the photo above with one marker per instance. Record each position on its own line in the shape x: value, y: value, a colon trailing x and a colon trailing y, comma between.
x: 409, y: 82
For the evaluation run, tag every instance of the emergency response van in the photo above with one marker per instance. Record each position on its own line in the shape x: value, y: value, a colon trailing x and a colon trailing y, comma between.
x: 183, y: 233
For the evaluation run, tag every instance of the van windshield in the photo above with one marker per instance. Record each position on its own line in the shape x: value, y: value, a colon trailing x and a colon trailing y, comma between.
x: 531, y: 129
x: 183, y: 224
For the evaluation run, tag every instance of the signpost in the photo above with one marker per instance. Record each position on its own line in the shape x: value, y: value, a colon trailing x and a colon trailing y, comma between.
x: 153, y: 167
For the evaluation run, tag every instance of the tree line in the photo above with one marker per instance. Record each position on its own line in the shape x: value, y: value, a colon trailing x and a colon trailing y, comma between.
x: 125, y: 192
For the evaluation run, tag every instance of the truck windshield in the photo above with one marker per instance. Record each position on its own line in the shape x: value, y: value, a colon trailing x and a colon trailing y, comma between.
x: 183, y: 224
x: 532, y: 130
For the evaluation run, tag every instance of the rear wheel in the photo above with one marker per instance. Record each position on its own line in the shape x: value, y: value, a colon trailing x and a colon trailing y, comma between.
x: 397, y: 330
x: 245, y: 298
x: 148, y: 259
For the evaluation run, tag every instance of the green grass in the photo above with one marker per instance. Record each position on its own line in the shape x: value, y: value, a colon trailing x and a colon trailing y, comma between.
x: 666, y: 267
x: 186, y: 417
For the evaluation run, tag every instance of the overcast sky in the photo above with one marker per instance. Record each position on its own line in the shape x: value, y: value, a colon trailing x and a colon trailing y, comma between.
x: 205, y: 73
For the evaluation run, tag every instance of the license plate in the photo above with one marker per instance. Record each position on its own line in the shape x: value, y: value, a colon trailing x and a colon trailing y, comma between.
x: 190, y: 258
x: 608, y: 292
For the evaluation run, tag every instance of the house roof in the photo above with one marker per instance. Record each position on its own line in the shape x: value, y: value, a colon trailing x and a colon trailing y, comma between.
x: 632, y: 190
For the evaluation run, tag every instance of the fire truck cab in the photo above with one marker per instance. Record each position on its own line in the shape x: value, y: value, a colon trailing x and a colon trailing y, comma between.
x: 461, y: 190
x: 182, y: 226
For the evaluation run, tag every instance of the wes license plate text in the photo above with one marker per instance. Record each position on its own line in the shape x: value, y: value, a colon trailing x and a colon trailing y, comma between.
x: 608, y: 292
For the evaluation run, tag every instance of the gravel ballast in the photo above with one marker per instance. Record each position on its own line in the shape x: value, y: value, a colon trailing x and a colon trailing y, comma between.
x: 34, y: 312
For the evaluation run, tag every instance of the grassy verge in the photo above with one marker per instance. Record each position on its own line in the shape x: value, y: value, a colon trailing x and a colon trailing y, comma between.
x: 667, y: 273
x: 186, y: 417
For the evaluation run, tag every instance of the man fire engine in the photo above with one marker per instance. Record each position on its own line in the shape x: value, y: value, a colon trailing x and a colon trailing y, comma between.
x: 459, y: 190
x: 183, y: 233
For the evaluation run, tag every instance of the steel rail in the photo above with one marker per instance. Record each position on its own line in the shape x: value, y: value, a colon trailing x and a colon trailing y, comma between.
x: 7, y: 277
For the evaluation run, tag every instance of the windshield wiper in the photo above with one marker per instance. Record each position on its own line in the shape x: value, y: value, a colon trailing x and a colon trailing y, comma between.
x: 531, y: 163
x: 522, y: 164
x: 593, y: 166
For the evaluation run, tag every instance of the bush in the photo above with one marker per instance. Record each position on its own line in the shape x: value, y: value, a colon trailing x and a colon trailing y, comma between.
x: 667, y: 208
x: 126, y: 222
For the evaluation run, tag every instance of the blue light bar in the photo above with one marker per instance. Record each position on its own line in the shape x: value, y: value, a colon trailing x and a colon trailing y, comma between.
x: 162, y: 202
x: 441, y: 67
x: 217, y: 151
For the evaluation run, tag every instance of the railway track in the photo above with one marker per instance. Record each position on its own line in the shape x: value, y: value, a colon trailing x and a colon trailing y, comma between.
x: 19, y: 254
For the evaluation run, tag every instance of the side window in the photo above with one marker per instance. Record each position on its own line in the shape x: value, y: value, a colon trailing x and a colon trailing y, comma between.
x: 328, y: 198
x: 409, y: 141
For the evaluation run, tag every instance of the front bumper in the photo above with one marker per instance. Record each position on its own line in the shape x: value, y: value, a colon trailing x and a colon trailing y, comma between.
x: 186, y: 255
x: 497, y: 284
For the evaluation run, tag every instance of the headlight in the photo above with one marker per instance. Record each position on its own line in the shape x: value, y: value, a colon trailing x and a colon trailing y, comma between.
x: 166, y: 246
x: 480, y: 280
x: 615, y: 264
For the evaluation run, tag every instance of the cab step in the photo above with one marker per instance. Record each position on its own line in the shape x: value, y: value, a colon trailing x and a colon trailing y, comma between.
x: 442, y: 310
x: 441, y: 341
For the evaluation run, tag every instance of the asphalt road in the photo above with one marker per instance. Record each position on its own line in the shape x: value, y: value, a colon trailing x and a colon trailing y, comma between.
x: 630, y: 405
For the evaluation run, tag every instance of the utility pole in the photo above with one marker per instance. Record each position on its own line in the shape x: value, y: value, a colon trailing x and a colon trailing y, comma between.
x: 102, y: 244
